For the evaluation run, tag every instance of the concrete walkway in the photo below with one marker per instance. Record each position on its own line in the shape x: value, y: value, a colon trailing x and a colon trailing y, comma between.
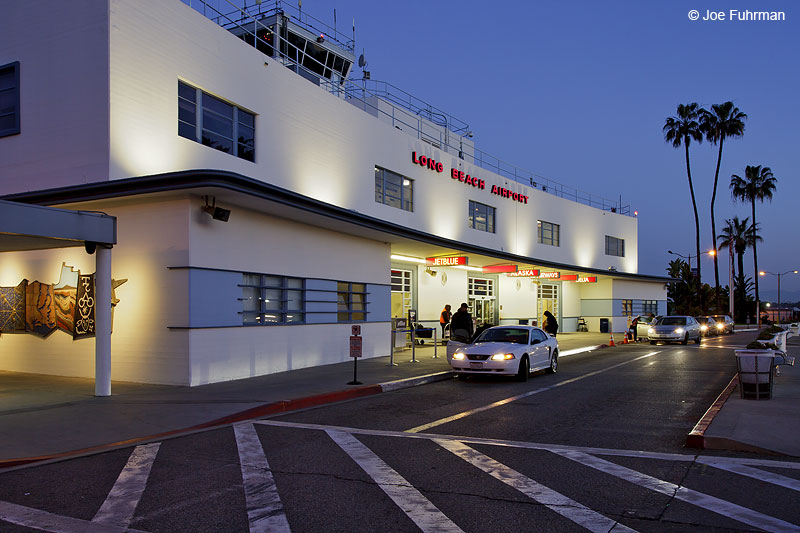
x: 46, y: 418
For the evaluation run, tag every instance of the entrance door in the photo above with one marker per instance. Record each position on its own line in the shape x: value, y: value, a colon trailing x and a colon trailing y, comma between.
x: 548, y: 300
x: 482, y: 300
x: 401, y: 292
x: 483, y: 311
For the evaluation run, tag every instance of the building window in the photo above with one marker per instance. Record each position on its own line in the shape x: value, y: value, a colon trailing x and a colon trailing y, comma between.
x: 394, y: 189
x: 480, y: 288
x: 548, y: 233
x: 481, y: 217
x: 9, y: 99
x: 401, y: 280
x: 213, y: 122
x: 269, y: 300
x: 627, y: 307
x: 649, y: 306
x: 615, y: 246
x: 351, y: 302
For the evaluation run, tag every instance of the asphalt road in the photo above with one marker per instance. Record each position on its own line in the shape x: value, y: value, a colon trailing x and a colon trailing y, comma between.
x: 596, y: 446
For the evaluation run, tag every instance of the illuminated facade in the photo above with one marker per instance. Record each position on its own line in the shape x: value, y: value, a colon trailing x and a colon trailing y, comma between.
x: 262, y: 209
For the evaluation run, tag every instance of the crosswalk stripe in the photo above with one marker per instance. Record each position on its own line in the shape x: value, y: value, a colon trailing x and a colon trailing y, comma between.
x: 755, y: 473
x: 499, y: 403
x: 121, y: 502
x: 416, y: 506
x: 264, y: 508
x: 704, y: 501
x: 44, y: 521
x: 555, y: 501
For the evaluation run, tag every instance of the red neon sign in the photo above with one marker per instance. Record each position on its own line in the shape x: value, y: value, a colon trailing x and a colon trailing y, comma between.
x: 569, y: 277
x: 424, y: 161
x: 507, y: 193
x: 496, y: 269
x: 526, y: 273
x: 446, y: 261
x: 586, y: 279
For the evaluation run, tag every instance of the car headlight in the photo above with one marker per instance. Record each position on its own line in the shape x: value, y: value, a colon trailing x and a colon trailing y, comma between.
x: 502, y: 356
x: 703, y: 328
x: 459, y: 356
x: 720, y: 326
x: 650, y: 331
x: 679, y: 331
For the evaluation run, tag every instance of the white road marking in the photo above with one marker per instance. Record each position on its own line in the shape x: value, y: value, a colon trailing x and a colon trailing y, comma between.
x: 699, y: 499
x: 755, y: 473
x: 555, y: 501
x: 425, y: 427
x: 576, y: 351
x: 532, y: 445
x: 121, y: 502
x: 264, y: 508
x: 416, y: 506
x: 36, y: 519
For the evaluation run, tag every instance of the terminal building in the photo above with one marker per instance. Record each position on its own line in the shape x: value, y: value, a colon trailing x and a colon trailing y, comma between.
x: 267, y: 195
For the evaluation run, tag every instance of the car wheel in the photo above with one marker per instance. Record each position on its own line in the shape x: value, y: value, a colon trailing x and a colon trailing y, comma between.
x: 524, y: 369
x: 553, y: 363
x: 697, y: 340
x: 652, y: 342
x: 685, y: 340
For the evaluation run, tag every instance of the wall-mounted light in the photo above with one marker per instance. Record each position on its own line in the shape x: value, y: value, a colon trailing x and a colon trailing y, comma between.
x: 217, y: 213
x: 430, y: 272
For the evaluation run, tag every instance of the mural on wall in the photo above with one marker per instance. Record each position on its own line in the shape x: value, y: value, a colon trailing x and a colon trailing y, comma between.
x: 12, y: 307
x: 41, y: 308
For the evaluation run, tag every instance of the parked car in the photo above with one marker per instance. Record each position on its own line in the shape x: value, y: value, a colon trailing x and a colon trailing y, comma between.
x: 708, y: 326
x: 505, y: 350
x: 724, y: 323
x: 643, y: 323
x: 676, y: 328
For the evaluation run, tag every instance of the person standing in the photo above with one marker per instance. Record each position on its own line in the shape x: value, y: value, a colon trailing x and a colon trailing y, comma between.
x: 635, y: 329
x: 461, y: 327
x: 550, y: 323
x: 445, y: 317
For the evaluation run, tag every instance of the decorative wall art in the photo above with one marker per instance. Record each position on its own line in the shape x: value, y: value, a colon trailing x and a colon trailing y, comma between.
x: 41, y: 308
x: 12, y: 308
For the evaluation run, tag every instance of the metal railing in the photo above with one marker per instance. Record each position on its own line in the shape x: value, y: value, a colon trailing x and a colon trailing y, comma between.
x: 453, y: 131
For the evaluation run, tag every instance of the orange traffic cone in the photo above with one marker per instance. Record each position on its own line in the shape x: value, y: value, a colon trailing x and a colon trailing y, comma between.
x: 612, y: 341
x: 625, y: 339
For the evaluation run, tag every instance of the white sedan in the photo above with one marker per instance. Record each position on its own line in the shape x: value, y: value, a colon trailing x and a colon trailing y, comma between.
x: 505, y: 350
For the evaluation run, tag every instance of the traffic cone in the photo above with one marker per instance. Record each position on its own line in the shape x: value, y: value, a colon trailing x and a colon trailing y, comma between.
x: 612, y: 341
x: 625, y: 339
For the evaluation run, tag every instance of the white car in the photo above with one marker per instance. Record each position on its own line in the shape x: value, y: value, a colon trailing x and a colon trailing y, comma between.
x: 677, y: 328
x: 505, y: 350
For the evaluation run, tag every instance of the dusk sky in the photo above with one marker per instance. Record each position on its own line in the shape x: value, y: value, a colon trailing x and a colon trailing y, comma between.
x: 578, y: 92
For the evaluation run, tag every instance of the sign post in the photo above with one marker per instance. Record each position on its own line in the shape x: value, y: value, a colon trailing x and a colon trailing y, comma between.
x: 412, y: 324
x: 355, y: 352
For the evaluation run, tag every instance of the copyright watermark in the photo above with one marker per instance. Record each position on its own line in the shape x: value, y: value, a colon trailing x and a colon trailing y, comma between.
x: 736, y: 15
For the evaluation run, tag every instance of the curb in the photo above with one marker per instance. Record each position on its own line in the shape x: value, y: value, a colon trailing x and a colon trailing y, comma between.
x: 696, y: 438
x: 273, y: 408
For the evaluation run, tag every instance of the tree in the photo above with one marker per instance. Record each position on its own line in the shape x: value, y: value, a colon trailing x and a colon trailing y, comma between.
x: 679, y: 130
x: 740, y: 235
x: 723, y: 121
x: 758, y: 184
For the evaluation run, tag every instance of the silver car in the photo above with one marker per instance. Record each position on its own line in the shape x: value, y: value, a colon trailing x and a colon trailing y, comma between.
x: 724, y: 323
x: 676, y: 328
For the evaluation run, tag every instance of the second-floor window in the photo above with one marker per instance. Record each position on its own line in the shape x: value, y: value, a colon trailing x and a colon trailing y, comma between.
x: 548, y: 233
x: 615, y: 246
x: 481, y: 217
x: 9, y: 99
x: 213, y: 122
x: 394, y: 189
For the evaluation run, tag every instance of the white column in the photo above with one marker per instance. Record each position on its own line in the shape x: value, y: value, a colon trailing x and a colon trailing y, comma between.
x: 102, y: 316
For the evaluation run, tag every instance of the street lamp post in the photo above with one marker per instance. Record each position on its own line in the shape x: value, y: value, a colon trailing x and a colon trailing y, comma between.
x: 778, y: 275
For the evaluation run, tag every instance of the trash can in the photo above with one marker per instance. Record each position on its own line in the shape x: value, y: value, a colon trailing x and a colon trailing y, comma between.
x: 755, y: 373
x: 604, y: 325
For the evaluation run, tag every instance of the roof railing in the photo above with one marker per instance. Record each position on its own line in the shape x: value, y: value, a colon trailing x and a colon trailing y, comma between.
x: 452, y: 132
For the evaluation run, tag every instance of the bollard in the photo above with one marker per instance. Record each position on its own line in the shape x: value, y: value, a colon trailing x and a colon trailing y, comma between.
x: 392, y: 338
x: 413, y: 346
x: 435, y: 343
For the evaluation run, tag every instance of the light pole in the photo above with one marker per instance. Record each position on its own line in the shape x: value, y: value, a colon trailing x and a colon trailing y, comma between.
x: 778, y: 275
x: 689, y: 257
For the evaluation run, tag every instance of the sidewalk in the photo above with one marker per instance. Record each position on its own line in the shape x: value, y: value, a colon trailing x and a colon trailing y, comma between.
x: 46, y: 417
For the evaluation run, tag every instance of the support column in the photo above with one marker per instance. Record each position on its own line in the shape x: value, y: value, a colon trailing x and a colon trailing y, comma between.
x: 102, y: 316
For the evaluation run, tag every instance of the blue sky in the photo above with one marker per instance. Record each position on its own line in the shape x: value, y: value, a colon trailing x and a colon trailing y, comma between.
x: 579, y: 92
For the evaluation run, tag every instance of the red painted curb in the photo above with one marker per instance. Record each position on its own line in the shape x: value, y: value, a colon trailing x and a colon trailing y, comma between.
x: 696, y: 438
x: 281, y: 406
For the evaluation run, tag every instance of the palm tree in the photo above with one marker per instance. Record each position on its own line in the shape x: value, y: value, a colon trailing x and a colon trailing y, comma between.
x: 724, y: 120
x: 740, y: 235
x: 758, y: 184
x: 682, y: 129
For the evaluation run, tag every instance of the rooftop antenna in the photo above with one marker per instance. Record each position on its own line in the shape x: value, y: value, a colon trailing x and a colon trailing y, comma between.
x: 334, y: 22
x: 362, y: 63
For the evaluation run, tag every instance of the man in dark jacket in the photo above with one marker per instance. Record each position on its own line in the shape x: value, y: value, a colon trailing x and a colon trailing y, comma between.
x: 550, y: 323
x: 461, y: 327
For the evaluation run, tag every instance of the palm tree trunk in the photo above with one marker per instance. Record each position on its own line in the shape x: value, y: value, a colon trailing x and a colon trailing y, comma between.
x: 755, y: 264
x: 696, y: 225
x: 714, y: 225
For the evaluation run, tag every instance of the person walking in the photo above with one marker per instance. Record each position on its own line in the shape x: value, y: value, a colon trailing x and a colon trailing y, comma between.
x: 461, y: 327
x: 550, y: 323
x: 445, y: 317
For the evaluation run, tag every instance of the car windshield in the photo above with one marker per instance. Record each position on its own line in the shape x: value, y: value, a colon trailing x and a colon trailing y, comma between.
x: 672, y: 321
x: 516, y: 335
x: 702, y: 319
